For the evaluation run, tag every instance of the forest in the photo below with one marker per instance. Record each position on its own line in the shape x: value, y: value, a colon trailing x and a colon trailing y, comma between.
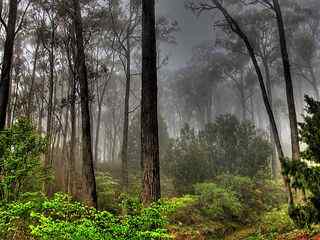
x: 159, y: 120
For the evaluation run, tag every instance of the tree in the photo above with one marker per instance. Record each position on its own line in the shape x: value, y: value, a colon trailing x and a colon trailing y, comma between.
x: 89, y: 187
x: 149, y: 111
x: 224, y: 146
x: 288, y: 80
x: 134, y: 141
x: 10, y: 28
x: 236, y: 28
x: 306, y: 173
x: 126, y: 44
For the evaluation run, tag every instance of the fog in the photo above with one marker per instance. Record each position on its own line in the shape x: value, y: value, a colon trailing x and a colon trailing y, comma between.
x: 193, y: 30
x: 159, y: 119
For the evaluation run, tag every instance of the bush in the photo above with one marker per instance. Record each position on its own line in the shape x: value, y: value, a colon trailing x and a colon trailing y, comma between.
x: 187, y: 161
x: 109, y: 192
x: 256, y: 195
x: 64, y: 219
x: 217, y: 202
x: 224, y: 146
x: 21, y: 170
x: 276, y: 221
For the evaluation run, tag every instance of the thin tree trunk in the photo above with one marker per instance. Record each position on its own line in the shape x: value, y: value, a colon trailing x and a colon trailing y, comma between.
x: 236, y: 28
x: 33, y: 77
x: 7, y: 61
x: 274, y: 160
x: 73, y: 116
x: 100, y: 102
x: 314, y: 82
x: 289, y: 86
x: 124, y: 150
x: 243, y: 101
x: 48, y: 156
x: 149, y: 111
x: 41, y: 109
x: 87, y: 157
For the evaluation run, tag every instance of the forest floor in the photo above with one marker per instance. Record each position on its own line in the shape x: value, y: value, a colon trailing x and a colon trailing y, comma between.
x: 282, y: 230
x: 248, y: 233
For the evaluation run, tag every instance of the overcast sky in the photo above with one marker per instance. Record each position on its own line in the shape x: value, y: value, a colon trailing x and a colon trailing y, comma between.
x: 194, y: 30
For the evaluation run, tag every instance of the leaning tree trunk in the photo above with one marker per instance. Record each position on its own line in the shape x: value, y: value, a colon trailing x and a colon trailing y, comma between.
x: 89, y: 188
x: 149, y: 112
x: 237, y: 29
x: 7, y: 61
x: 289, y: 86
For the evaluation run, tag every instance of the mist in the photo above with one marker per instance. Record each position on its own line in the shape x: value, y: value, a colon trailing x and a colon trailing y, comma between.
x: 159, y: 119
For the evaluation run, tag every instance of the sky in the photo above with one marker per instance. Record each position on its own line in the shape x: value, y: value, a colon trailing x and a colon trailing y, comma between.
x: 193, y: 30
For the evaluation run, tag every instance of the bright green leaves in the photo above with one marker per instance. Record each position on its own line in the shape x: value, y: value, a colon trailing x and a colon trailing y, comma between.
x: 20, y: 166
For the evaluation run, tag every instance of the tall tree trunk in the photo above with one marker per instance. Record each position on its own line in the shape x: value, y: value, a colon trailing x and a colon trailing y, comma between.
x: 73, y: 115
x: 149, y: 107
x: 7, y: 61
x: 124, y: 150
x: 71, y: 171
x: 274, y: 160
x: 100, y: 102
x: 87, y: 157
x: 243, y: 102
x: 96, y: 142
x: 41, y: 109
x: 33, y: 77
x: 48, y: 156
x: 289, y: 86
x: 236, y: 29
x: 314, y: 82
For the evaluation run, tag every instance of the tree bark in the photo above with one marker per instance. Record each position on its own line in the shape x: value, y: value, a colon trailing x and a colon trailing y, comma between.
x: 7, y: 61
x: 87, y: 158
x: 124, y: 150
x: 149, y: 112
x: 289, y: 86
x: 48, y: 155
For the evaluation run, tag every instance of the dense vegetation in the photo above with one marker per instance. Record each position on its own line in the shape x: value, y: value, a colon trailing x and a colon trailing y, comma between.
x: 217, y: 204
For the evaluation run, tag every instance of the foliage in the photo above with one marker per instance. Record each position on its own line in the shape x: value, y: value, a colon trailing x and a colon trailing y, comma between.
x: 236, y: 147
x: 238, y: 198
x: 257, y: 195
x: 62, y: 218
x: 108, y: 190
x: 217, y: 202
x: 305, y: 174
x: 234, y: 206
x: 187, y: 161
x: 226, y: 145
x: 276, y: 221
x: 21, y: 171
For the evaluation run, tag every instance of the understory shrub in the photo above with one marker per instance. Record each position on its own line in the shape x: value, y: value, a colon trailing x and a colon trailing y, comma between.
x: 64, y: 219
x: 225, y: 145
x: 20, y: 166
x: 276, y: 221
x: 217, y: 202
x: 256, y: 195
